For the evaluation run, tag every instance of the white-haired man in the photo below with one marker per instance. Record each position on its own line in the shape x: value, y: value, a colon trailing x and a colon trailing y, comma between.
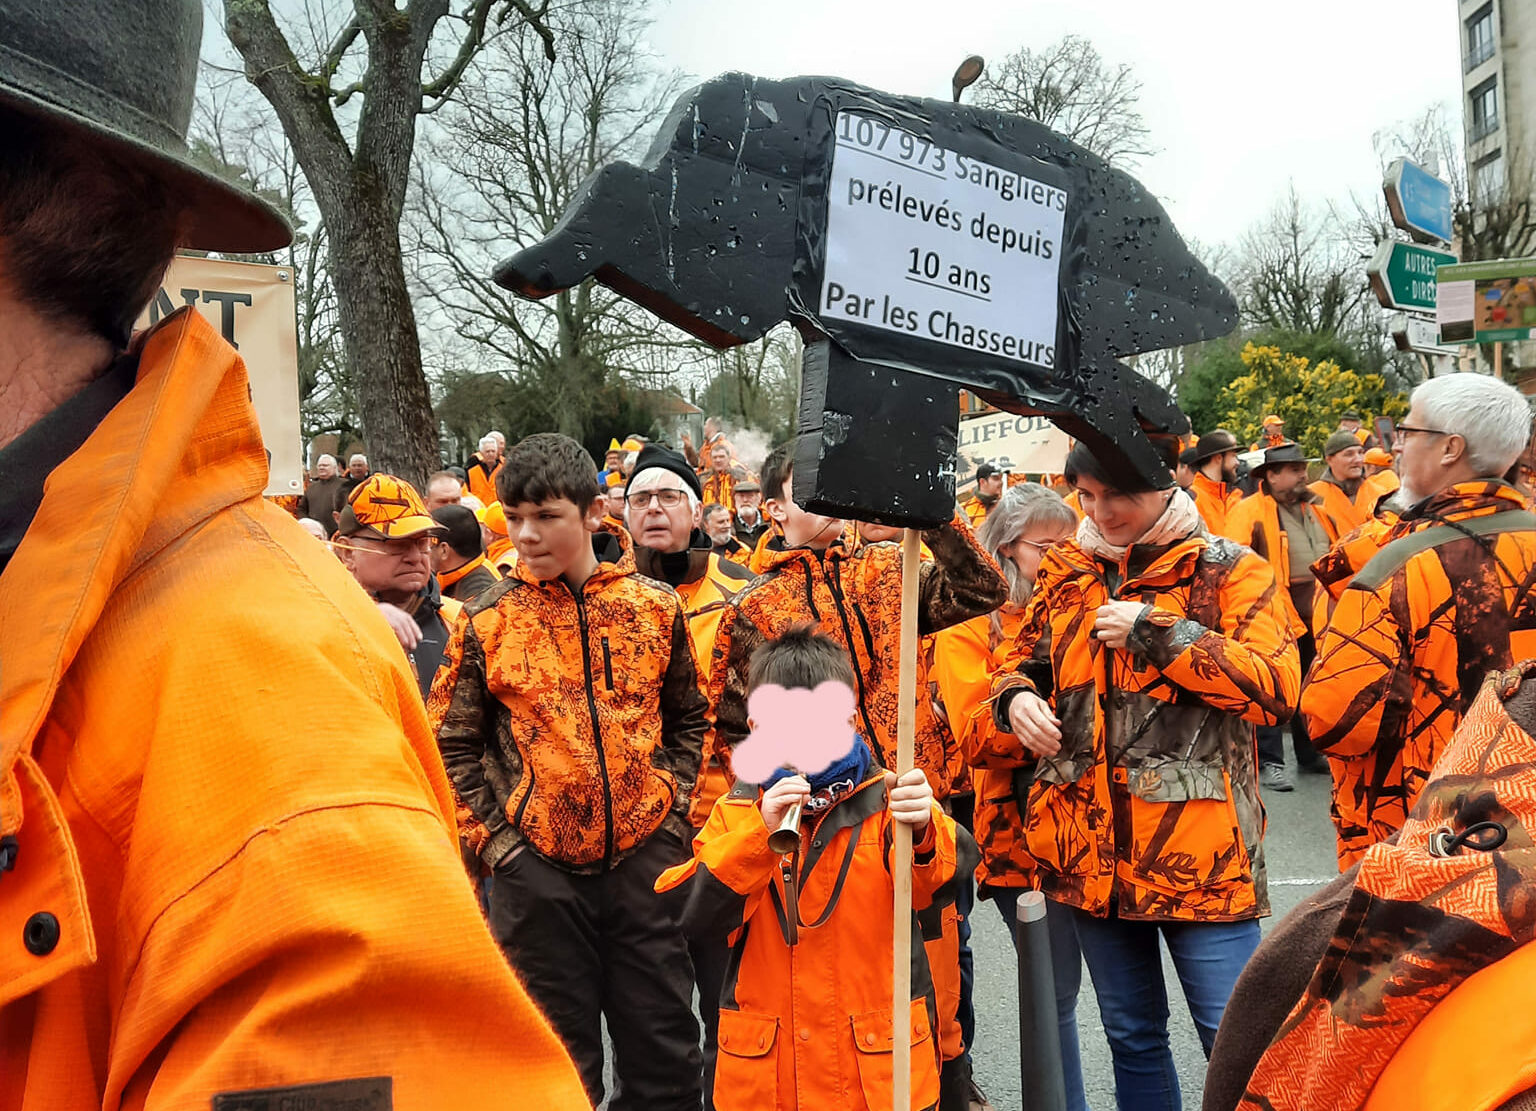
x: 483, y: 467
x: 1447, y: 600
x: 324, y: 497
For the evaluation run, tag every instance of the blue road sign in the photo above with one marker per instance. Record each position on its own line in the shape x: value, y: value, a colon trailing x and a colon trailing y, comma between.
x: 1420, y: 202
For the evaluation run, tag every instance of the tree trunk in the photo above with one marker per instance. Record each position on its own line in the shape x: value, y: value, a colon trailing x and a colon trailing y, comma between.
x: 378, y: 323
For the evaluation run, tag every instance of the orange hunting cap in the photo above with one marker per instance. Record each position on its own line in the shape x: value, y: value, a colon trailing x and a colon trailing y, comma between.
x: 495, y: 518
x: 1272, y: 419
x: 1379, y: 457
x: 388, y: 507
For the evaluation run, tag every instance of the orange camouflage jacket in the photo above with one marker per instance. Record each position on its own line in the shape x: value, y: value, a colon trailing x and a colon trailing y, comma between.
x: 1151, y: 809
x: 808, y: 1023
x: 570, y: 722
x: 1421, y: 999
x: 852, y: 593
x: 1401, y: 659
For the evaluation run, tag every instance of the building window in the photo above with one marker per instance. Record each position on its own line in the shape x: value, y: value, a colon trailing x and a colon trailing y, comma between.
x: 1488, y: 178
x: 1480, y: 37
x: 1484, y: 103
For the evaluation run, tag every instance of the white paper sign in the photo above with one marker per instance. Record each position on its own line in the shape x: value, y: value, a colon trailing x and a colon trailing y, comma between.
x: 940, y: 246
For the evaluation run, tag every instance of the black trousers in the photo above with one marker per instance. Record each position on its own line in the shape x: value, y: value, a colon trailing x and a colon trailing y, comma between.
x: 1271, y: 738
x: 607, y: 945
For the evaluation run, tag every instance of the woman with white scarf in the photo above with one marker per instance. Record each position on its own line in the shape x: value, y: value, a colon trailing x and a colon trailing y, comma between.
x: 1149, y: 651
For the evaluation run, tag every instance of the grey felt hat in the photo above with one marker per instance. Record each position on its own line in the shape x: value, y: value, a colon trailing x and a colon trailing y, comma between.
x: 123, y: 72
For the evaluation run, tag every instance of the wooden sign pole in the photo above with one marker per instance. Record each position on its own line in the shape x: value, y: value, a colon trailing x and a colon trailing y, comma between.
x: 901, y: 834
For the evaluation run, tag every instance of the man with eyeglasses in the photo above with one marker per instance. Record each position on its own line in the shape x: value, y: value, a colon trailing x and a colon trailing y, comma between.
x: 663, y: 510
x: 385, y: 539
x: 1446, y: 601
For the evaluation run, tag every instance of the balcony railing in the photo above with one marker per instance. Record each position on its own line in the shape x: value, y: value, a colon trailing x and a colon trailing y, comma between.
x: 1479, y: 54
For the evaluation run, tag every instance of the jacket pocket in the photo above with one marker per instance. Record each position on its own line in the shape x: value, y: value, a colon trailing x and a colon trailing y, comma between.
x: 872, y: 1037
x: 1184, y: 829
x: 747, y: 1066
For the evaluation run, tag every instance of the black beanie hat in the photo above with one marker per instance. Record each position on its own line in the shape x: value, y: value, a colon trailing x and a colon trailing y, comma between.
x: 659, y: 455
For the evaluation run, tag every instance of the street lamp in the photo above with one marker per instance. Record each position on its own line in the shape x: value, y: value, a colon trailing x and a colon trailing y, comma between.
x: 966, y: 75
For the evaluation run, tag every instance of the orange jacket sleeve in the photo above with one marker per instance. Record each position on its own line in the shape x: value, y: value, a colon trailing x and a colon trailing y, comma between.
x: 1249, y: 667
x: 1350, y: 693
x: 962, y: 664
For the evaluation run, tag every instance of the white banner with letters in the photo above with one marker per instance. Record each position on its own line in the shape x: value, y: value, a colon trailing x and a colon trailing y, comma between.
x: 252, y: 306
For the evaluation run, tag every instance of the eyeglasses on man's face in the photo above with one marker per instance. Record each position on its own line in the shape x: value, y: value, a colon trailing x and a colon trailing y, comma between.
x: 1408, y: 429
x: 667, y: 499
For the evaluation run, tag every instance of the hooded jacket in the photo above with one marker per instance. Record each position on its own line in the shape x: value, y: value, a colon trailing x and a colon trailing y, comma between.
x: 1422, y: 997
x: 852, y: 593
x: 570, y: 722
x: 809, y: 1024
x: 1151, y: 808
x: 215, y: 896
x: 1400, y: 660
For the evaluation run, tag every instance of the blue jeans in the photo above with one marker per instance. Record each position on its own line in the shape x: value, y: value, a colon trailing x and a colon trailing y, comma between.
x: 1127, y: 971
x: 1067, y: 970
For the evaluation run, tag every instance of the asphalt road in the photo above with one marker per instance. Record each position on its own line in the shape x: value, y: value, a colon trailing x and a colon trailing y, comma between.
x: 1299, y: 854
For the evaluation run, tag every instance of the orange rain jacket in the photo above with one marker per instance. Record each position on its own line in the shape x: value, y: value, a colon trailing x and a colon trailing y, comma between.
x: 852, y: 593
x: 1351, y: 513
x: 809, y: 1025
x: 1214, y: 500
x: 1154, y: 807
x: 241, y: 901
x: 1255, y: 521
x: 1423, y: 998
x: 570, y: 722
x: 965, y: 657
x: 1400, y: 660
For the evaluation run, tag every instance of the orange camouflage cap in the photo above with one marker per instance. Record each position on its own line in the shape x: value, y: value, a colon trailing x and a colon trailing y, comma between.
x: 1272, y: 419
x: 388, y: 507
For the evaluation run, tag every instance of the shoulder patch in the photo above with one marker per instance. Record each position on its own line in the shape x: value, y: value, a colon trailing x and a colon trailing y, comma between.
x: 373, y: 1093
x: 1223, y: 551
x: 487, y: 598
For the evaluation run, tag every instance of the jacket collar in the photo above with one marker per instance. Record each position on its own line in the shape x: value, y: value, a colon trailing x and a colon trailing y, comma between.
x: 1149, y: 564
x: 841, y: 548
x: 1468, y: 499
x: 650, y: 563
x: 183, y: 445
x: 606, y: 572
x: 446, y: 579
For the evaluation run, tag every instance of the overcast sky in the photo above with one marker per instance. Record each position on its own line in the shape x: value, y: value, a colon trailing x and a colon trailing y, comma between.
x: 1240, y: 98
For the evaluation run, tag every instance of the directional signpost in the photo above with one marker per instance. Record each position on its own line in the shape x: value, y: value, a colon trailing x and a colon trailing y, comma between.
x: 1403, y: 275
x: 1411, y: 332
x: 1420, y: 202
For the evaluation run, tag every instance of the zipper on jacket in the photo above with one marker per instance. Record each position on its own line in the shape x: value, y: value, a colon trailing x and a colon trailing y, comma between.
x: 607, y: 664
x: 597, y: 729
x: 858, y: 672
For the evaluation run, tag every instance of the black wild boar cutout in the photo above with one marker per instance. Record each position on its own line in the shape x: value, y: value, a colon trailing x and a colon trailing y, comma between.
x: 920, y: 247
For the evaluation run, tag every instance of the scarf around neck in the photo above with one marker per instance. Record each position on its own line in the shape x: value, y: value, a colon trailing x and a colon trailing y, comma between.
x: 1179, y: 521
x: 835, y: 781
